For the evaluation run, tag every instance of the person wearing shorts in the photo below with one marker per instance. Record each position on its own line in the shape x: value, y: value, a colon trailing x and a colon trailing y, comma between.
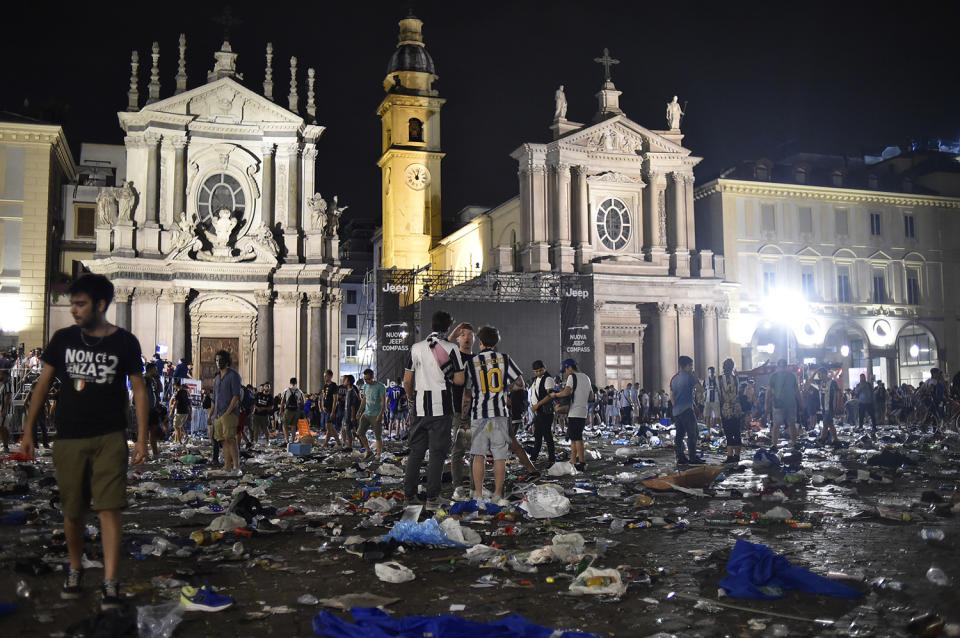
x: 784, y: 404
x: 580, y: 390
x: 262, y: 410
x: 373, y: 405
x: 489, y: 377
x: 291, y: 407
x: 180, y: 406
x: 93, y: 360
x: 225, y: 412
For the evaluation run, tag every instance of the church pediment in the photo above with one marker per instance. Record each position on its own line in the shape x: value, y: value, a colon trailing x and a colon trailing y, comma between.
x: 223, y: 100
x: 619, y: 135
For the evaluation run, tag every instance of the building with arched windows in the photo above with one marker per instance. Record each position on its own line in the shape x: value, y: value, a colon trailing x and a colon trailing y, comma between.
x: 843, y: 260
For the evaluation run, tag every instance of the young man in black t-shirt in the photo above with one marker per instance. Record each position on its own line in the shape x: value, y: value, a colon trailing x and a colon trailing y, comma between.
x: 327, y: 396
x: 262, y: 411
x: 181, y: 408
x: 92, y: 360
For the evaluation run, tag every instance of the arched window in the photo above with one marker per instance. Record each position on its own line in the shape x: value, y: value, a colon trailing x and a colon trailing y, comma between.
x: 217, y: 192
x: 415, y: 130
x: 613, y: 223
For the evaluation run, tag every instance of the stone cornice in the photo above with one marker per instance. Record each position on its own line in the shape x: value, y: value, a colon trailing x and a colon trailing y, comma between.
x: 46, y: 134
x: 800, y: 191
x: 404, y: 154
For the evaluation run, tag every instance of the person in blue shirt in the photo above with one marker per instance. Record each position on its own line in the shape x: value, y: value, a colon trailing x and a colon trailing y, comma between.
x: 682, y: 386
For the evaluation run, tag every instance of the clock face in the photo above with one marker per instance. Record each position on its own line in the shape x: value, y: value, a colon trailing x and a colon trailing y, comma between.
x: 417, y: 177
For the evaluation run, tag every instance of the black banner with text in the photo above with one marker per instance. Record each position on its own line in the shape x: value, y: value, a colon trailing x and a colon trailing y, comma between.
x: 577, y: 338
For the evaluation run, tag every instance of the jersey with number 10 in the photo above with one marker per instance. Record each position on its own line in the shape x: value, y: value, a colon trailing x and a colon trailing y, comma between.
x: 489, y: 377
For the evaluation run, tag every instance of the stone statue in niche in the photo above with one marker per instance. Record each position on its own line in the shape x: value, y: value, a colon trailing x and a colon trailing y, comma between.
x: 333, y: 218
x: 318, y: 208
x: 126, y: 202
x: 106, y: 207
x: 674, y: 114
x: 560, y: 108
x: 223, y: 225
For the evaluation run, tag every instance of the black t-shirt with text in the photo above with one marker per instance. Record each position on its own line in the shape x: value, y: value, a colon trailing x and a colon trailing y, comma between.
x: 93, y: 380
x: 330, y: 390
x: 263, y: 403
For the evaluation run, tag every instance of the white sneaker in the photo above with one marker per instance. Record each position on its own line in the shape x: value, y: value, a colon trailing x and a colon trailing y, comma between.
x: 461, y: 494
x: 500, y: 502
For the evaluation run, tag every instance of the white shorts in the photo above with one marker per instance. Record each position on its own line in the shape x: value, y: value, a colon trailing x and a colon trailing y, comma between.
x: 490, y: 435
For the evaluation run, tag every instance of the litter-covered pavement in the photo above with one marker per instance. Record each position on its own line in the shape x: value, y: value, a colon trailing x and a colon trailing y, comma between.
x: 630, y: 547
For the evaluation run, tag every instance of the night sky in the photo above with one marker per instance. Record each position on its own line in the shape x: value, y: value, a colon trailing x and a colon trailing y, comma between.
x: 761, y: 79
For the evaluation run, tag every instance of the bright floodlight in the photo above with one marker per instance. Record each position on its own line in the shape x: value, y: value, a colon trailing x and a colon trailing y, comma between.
x: 915, y: 351
x: 845, y: 350
x: 785, y: 307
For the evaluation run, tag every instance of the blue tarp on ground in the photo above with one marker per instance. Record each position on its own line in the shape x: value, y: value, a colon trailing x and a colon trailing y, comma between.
x: 374, y: 623
x: 754, y: 571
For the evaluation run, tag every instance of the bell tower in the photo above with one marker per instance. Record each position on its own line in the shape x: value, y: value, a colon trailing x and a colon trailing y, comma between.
x: 410, y: 152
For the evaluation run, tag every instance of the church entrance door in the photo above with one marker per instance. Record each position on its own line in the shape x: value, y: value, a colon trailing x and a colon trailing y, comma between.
x: 209, y: 346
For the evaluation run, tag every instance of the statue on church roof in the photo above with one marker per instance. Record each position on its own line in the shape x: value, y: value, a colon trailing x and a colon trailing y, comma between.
x: 126, y: 202
x: 333, y: 219
x: 560, y: 99
x: 106, y: 207
x: 674, y: 114
x: 318, y: 207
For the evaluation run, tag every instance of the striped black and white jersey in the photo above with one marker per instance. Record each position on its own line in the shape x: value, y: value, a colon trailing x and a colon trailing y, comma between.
x: 489, y: 377
x: 431, y: 361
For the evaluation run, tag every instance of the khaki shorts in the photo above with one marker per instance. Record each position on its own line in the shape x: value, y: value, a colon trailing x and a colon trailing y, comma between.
x: 369, y: 422
x: 290, y: 417
x: 91, y: 473
x: 490, y: 435
x: 786, y: 417
x: 261, y: 422
x: 225, y: 427
x: 179, y: 420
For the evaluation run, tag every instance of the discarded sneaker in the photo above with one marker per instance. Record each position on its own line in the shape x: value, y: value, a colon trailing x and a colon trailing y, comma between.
x: 111, y: 596
x: 204, y: 599
x: 461, y: 494
x: 500, y: 501
x: 581, y: 467
x: 265, y: 526
x: 72, y: 584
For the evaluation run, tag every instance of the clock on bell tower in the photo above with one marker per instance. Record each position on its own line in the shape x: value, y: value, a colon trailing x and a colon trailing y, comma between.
x: 410, y: 154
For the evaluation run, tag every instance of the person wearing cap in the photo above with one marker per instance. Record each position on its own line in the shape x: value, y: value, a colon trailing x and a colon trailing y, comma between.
x: 580, y: 391
x: 542, y: 408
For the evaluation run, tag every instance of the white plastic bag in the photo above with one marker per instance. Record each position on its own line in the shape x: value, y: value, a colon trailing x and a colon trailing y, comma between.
x: 459, y: 534
x: 543, y: 501
x: 562, y: 468
x: 226, y: 523
x: 378, y: 504
x: 158, y: 621
x: 568, y: 548
x: 598, y: 581
x: 393, y: 572
x: 389, y: 469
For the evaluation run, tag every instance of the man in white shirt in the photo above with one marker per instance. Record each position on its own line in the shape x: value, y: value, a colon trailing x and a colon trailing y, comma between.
x: 542, y: 407
x: 711, y: 401
x: 578, y: 388
x: 434, y: 367
x: 626, y: 405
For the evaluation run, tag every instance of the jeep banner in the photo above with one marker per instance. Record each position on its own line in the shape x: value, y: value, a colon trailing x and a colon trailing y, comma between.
x: 576, y: 321
x: 396, y: 330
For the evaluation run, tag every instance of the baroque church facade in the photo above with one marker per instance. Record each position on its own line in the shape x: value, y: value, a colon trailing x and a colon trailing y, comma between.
x: 218, y: 238
x: 611, y: 201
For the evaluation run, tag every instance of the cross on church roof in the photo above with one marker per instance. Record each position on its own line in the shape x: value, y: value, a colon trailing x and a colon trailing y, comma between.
x: 226, y: 19
x: 607, y: 62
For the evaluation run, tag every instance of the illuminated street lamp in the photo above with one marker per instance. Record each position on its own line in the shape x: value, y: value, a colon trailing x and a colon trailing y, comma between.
x: 845, y: 350
x: 915, y: 351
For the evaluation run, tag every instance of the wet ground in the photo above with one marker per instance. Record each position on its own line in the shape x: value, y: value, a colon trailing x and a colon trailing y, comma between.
x: 865, y: 525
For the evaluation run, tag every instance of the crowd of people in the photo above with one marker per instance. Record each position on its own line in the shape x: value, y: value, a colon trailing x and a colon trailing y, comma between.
x: 459, y: 397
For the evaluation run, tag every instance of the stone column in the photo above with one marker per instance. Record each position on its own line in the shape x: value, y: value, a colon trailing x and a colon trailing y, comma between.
x: 334, y: 306
x: 688, y: 206
x: 536, y: 255
x: 724, y: 347
x: 148, y: 235
x: 685, y: 322
x: 178, y: 297
x: 667, y: 332
x: 562, y: 256
x: 287, y: 200
x: 179, y: 176
x: 639, y: 353
x: 143, y: 318
x: 318, y: 354
x: 581, y: 216
x: 266, y: 188
x: 681, y: 251
x: 307, y: 168
x: 655, y: 218
x: 265, y: 338
x: 121, y: 304
x: 287, y: 332
x: 711, y: 351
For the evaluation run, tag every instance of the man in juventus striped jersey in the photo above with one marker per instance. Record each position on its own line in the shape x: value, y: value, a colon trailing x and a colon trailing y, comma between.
x: 490, y: 374
x: 434, y: 366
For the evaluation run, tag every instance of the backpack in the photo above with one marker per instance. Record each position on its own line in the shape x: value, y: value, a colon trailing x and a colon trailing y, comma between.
x: 295, y: 393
